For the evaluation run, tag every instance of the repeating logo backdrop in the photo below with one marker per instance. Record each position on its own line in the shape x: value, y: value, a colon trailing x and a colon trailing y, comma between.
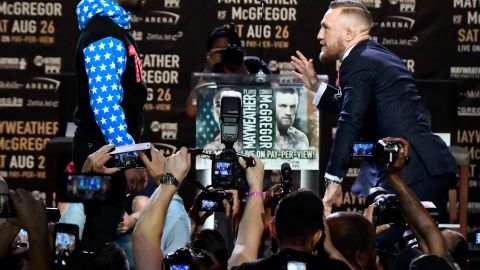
x: 438, y: 40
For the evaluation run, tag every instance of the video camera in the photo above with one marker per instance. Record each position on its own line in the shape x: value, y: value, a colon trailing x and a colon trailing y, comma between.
x: 212, y: 200
x: 226, y: 171
x: 388, y: 210
x: 285, y: 185
x: 381, y: 152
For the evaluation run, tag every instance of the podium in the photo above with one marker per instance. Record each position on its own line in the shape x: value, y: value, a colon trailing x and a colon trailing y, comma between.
x: 278, y: 122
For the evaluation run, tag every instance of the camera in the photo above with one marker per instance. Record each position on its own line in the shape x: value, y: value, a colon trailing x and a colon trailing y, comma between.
x: 285, y: 185
x: 381, y: 152
x: 126, y: 156
x: 226, y: 171
x: 182, y: 259
x: 212, y: 200
x: 388, y: 211
x: 294, y: 265
x: 232, y: 55
x: 7, y: 210
x: 66, y: 240
x: 87, y: 187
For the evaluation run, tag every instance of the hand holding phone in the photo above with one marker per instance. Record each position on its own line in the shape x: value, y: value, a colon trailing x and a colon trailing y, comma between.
x: 96, y: 161
x: 127, y: 156
x: 7, y: 209
x: 66, y: 240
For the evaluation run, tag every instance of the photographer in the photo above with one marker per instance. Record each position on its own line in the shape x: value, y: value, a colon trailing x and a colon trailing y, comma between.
x: 299, y: 229
x: 232, y: 211
x: 147, y: 234
x: 354, y: 237
x: 225, y: 55
x: 30, y: 215
x: 429, y: 238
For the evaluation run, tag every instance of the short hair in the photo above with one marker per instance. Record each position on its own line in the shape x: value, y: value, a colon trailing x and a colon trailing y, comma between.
x: 351, y: 232
x: 457, y: 246
x: 110, y: 257
x: 213, y: 242
x: 299, y: 215
x: 286, y: 90
x: 355, y: 9
x: 224, y: 31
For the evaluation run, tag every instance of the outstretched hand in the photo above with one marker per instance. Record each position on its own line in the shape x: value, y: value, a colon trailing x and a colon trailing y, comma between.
x: 305, y: 71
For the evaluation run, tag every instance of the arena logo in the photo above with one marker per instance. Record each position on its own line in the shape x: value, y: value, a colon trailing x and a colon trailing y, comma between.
x: 52, y: 65
x: 42, y: 83
x: 165, y: 149
x: 172, y: 3
x: 10, y: 85
x: 372, y: 3
x: 11, y: 102
x: 13, y: 63
x: 162, y: 17
x: 406, y: 6
x: 168, y: 131
x: 397, y: 22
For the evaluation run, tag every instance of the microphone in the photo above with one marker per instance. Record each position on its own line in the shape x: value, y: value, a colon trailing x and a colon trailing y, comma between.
x: 286, y: 176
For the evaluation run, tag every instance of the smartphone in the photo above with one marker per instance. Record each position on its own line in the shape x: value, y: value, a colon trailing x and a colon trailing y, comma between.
x: 294, y: 265
x: 22, y: 239
x: 362, y: 149
x: 53, y: 214
x: 127, y: 157
x: 66, y: 240
x: 7, y: 210
x: 179, y: 267
x: 131, y: 148
x: 86, y: 188
x: 477, y: 237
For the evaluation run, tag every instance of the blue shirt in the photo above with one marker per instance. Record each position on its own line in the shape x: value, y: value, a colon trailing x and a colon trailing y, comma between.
x: 176, y: 230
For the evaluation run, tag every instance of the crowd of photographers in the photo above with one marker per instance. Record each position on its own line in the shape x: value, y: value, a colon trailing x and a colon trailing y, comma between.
x: 277, y: 229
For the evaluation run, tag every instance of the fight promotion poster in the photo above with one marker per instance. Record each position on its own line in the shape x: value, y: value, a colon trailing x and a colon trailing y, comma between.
x: 466, y: 24
x: 274, y: 125
x: 37, y: 47
x: 468, y: 136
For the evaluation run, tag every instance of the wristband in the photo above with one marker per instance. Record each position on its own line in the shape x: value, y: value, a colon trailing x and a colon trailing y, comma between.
x: 255, y: 194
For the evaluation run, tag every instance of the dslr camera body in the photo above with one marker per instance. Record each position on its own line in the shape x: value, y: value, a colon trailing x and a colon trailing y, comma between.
x: 286, y: 186
x: 232, y: 55
x: 388, y: 211
x: 182, y: 259
x: 381, y: 152
x: 212, y: 200
x: 226, y: 171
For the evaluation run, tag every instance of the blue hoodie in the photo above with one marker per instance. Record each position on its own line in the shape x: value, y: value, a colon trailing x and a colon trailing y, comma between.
x: 105, y: 62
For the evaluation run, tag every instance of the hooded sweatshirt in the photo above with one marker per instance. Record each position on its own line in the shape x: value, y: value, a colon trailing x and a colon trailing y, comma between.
x: 110, y: 90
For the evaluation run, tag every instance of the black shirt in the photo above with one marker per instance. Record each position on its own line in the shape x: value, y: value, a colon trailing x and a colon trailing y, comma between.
x: 295, y: 258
